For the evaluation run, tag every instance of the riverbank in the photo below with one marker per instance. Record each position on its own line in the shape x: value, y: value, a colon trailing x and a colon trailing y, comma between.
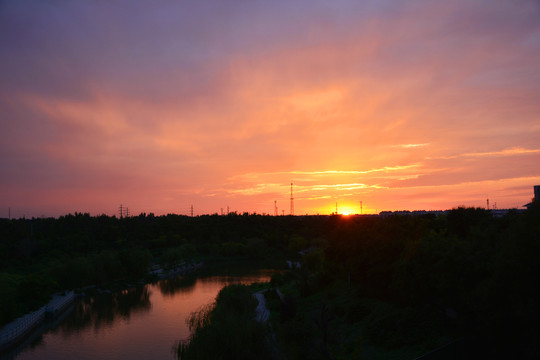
x: 15, y: 332
x: 140, y: 322
x: 182, y: 268
x: 18, y: 330
x: 227, y: 328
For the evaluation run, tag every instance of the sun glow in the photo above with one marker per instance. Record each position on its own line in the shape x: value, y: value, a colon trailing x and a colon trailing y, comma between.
x: 345, y: 210
x: 349, y: 210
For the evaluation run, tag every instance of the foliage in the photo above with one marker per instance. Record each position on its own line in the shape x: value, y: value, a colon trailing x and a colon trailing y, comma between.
x: 465, y: 274
x: 177, y: 255
x: 225, y: 330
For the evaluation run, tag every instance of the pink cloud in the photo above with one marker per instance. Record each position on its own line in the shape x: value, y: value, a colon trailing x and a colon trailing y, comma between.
x: 173, y: 104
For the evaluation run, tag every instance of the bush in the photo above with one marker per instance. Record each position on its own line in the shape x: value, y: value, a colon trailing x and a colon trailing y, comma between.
x: 8, y: 297
x: 287, y: 308
x: 226, y: 329
x: 277, y: 280
x: 232, y: 249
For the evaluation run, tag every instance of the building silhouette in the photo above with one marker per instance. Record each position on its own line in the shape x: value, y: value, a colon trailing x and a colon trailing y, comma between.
x: 536, y: 196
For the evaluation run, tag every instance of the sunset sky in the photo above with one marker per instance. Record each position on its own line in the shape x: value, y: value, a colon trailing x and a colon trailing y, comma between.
x: 158, y: 105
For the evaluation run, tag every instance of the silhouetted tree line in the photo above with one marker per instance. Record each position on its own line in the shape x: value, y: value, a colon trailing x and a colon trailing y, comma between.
x: 39, y: 256
x: 481, y: 272
x: 476, y: 272
x: 418, y: 282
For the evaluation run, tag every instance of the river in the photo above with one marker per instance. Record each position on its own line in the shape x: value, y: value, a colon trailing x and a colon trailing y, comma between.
x: 143, y: 322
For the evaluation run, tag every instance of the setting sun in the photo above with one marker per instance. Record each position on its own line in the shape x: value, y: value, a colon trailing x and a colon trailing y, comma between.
x: 352, y: 102
x: 387, y: 150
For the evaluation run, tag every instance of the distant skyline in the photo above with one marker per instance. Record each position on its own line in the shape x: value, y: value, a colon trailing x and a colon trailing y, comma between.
x: 166, y: 104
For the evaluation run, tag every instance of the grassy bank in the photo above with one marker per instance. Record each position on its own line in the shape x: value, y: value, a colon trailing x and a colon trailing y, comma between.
x: 226, y: 329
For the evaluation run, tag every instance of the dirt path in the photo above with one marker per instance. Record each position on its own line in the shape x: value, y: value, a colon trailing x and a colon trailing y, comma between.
x: 261, y: 315
x: 261, y: 311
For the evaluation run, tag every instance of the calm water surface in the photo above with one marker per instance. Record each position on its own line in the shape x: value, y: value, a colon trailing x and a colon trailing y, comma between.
x: 139, y: 323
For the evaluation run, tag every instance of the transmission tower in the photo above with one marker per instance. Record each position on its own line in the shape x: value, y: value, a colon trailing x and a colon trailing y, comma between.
x: 275, y: 208
x: 292, y: 200
x: 192, y: 210
x: 121, y: 210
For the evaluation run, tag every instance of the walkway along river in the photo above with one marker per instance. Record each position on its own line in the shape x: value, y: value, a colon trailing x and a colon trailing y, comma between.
x: 14, y: 332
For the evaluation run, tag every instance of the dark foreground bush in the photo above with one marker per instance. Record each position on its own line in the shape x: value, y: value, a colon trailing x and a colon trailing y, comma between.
x: 226, y: 329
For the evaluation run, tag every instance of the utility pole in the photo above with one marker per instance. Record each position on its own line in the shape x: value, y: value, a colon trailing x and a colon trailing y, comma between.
x: 487, y: 204
x: 127, y: 212
x: 275, y: 208
x: 292, y: 200
x: 121, y: 210
x: 191, y: 210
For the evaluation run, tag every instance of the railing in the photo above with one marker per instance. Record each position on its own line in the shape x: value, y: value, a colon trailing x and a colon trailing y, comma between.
x: 59, y: 302
x: 20, y: 326
x: 17, y: 328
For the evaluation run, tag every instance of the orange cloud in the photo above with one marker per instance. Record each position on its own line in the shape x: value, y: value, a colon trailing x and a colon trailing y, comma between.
x: 350, y: 102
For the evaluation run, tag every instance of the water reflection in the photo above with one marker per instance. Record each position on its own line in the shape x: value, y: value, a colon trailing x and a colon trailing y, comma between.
x: 181, y: 284
x: 103, y: 310
x: 138, y: 323
x: 186, y: 284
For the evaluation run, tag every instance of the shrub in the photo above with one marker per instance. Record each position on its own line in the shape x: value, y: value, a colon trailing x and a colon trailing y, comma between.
x: 226, y: 329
